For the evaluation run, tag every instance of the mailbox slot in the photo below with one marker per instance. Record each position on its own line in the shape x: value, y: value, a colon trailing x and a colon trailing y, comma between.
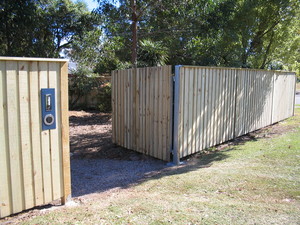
x: 48, y: 108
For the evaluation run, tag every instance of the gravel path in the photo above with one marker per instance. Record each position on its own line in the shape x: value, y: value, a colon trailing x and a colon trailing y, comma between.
x: 90, y: 176
x: 96, y: 164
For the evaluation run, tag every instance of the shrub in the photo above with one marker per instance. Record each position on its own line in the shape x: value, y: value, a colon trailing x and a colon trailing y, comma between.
x: 104, y: 97
x: 81, y: 82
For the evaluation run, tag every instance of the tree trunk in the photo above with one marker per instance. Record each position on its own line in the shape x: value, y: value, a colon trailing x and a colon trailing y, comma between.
x: 267, y: 52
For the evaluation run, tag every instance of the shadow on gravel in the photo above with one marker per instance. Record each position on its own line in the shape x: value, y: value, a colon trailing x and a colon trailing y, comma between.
x: 98, y: 175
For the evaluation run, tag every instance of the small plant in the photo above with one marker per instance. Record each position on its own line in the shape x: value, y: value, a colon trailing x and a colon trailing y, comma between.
x: 104, y: 97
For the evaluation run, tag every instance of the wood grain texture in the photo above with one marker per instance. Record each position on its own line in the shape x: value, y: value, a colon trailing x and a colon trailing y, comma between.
x: 227, y: 103
x: 55, y: 134
x: 45, y: 140
x: 142, y: 101
x: 35, y: 118
x: 5, y: 178
x: 17, y: 189
x: 66, y: 170
x: 26, y: 145
x: 31, y: 159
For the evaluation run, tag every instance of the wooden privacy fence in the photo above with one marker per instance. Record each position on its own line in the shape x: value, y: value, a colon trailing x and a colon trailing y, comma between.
x: 141, y: 104
x: 35, y: 167
x: 214, y: 105
x: 206, y: 107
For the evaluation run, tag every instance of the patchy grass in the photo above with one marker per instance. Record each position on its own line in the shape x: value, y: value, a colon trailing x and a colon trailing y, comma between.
x: 256, y: 182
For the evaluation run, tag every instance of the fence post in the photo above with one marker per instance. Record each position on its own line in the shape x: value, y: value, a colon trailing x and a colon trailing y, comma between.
x: 294, y: 102
x: 65, y: 134
x: 175, y: 116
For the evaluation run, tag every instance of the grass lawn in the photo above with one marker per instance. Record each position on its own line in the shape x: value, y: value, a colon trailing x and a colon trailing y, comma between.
x: 255, y: 182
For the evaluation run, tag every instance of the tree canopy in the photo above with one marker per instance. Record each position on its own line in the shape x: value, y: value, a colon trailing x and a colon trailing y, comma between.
x: 239, y: 33
x: 42, y: 27
x: 123, y: 33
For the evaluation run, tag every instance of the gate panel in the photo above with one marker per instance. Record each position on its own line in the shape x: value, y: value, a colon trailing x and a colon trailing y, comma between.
x: 141, y: 103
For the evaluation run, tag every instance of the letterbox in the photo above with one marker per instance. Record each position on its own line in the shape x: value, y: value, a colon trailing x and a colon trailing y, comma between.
x: 48, y: 108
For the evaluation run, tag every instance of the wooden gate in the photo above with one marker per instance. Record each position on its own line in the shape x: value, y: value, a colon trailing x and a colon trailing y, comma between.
x: 141, y: 117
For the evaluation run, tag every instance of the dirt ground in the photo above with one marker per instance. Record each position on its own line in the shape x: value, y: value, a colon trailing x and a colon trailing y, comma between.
x: 91, y: 137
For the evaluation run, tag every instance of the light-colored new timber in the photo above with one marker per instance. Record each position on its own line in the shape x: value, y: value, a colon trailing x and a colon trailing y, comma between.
x: 32, y: 166
x: 229, y: 103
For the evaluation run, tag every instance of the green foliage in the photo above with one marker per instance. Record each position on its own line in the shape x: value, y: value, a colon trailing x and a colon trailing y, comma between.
x: 42, y: 28
x: 17, y: 27
x: 239, y: 33
x: 81, y: 83
x: 152, y: 53
x: 104, y: 97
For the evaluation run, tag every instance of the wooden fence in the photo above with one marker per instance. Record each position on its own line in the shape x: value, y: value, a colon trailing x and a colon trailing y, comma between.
x: 211, y: 105
x: 141, y: 104
x: 35, y: 167
x: 214, y: 105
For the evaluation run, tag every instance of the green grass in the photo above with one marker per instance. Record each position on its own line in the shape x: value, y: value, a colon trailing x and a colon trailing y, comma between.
x: 257, y: 182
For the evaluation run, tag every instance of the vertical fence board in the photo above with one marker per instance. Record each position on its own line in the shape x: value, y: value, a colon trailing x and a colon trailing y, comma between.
x: 144, y: 101
x: 196, y: 120
x: 66, y: 177
x: 206, y: 104
x: 164, y: 107
x: 5, y: 182
x: 234, y: 103
x: 190, y: 110
x: 26, y: 149
x: 138, y: 112
x: 14, y: 136
x: 148, y: 112
x: 36, y: 133
x: 45, y: 141
x: 55, y: 141
x: 198, y: 109
x: 219, y: 105
x: 170, y: 113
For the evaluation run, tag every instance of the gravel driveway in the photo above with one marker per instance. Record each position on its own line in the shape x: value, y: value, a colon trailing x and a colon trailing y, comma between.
x: 96, y: 164
x: 90, y: 176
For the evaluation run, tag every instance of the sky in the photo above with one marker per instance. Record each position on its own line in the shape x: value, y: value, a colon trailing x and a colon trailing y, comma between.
x: 91, y: 4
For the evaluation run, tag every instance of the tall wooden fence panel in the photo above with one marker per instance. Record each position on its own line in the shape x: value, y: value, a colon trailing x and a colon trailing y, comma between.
x: 35, y: 167
x: 214, y: 105
x: 141, y: 104
x: 284, y: 96
x: 253, y: 101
